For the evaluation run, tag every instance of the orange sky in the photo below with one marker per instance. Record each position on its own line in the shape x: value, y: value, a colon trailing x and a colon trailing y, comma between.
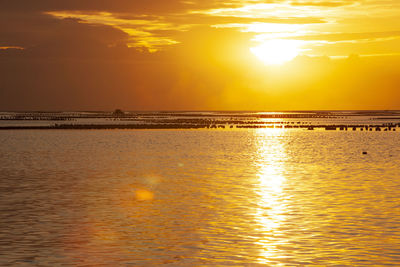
x: 199, y: 55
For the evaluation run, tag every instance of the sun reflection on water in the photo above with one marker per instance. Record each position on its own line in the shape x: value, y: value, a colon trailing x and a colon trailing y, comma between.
x: 269, y: 213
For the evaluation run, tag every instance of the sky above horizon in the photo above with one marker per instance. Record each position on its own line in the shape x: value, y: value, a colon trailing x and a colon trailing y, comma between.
x: 199, y: 55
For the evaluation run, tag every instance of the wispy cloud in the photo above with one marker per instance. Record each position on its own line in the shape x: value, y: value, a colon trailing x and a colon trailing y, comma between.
x: 143, y: 32
x: 315, y: 22
x: 324, y: 3
x: 11, y: 47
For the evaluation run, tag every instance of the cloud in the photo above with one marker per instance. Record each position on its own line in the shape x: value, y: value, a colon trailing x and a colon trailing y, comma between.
x: 351, y: 37
x: 155, y: 32
x: 324, y: 3
x: 343, y: 44
x: 35, y: 29
x: 115, y: 6
x: 143, y: 32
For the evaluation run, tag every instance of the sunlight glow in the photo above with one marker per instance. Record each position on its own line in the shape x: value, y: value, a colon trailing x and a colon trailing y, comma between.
x: 277, y: 51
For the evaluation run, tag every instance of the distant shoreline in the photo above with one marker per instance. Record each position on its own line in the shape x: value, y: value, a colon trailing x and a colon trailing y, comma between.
x: 120, y: 120
x: 382, y: 127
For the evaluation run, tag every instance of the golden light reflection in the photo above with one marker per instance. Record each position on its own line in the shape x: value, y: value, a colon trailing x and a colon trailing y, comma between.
x: 270, y: 210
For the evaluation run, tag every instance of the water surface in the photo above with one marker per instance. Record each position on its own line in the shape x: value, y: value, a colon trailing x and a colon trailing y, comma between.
x: 199, y: 197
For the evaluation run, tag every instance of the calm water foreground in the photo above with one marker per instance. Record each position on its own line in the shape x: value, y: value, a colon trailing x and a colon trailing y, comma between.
x: 199, y: 197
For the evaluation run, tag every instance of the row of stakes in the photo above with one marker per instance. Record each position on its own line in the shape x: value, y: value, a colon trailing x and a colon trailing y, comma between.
x: 328, y: 128
x: 366, y: 128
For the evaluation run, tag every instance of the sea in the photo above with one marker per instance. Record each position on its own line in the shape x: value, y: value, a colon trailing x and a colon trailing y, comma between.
x: 271, y: 194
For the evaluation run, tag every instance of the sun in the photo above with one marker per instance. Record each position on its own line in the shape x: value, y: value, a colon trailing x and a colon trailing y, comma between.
x: 277, y: 51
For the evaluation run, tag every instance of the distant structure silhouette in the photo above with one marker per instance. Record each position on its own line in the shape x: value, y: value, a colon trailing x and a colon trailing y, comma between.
x: 118, y: 113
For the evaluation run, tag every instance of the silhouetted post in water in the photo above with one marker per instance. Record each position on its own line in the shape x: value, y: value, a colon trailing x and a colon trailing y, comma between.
x: 330, y: 128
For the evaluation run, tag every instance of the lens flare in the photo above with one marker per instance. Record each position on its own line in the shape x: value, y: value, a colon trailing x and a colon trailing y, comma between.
x: 143, y: 195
